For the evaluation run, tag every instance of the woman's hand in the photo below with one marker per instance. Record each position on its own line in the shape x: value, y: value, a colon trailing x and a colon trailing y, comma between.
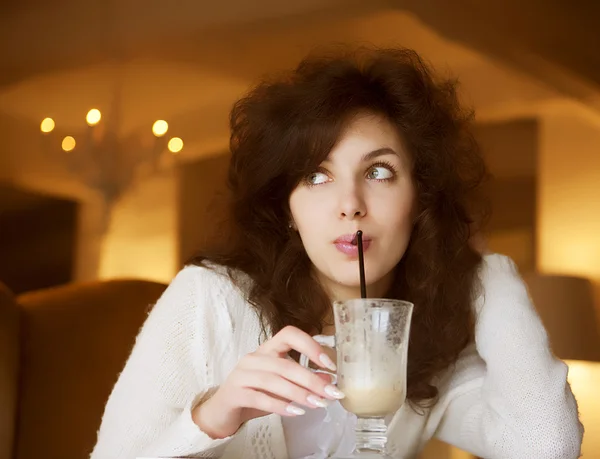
x: 267, y: 381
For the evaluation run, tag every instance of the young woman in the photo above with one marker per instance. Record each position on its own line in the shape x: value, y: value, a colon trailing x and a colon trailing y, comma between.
x: 367, y: 140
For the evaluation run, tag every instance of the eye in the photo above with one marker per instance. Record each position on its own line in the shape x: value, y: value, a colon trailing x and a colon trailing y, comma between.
x: 317, y: 178
x: 380, y: 172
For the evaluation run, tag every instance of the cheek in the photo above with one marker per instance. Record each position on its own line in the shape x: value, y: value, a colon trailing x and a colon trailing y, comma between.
x: 397, y: 213
x: 296, y: 204
x: 307, y: 212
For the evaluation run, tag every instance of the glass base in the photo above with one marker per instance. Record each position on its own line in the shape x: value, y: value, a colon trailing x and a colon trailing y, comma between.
x: 364, y: 455
x: 371, y: 439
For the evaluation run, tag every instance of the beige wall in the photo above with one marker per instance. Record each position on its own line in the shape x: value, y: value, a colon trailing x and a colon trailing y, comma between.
x: 510, y: 150
x: 584, y: 378
x: 157, y: 226
x: 142, y: 238
x: 569, y: 231
x: 201, y: 186
x: 569, y: 195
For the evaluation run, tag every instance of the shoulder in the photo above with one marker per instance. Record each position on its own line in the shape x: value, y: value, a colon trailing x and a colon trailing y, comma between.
x: 204, y: 292
x: 221, y: 309
x: 217, y: 293
x: 498, y: 275
x: 500, y: 299
x: 503, y: 305
x: 211, y: 279
x: 498, y: 263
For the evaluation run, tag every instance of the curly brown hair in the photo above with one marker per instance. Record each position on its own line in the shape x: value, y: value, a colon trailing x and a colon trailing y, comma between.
x: 286, y: 126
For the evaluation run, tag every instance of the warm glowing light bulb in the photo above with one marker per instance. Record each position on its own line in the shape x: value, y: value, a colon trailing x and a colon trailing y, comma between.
x: 175, y: 145
x: 47, y: 125
x: 68, y: 143
x: 93, y: 117
x: 160, y: 128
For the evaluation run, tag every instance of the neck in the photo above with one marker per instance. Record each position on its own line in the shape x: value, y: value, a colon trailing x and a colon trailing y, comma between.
x: 339, y: 292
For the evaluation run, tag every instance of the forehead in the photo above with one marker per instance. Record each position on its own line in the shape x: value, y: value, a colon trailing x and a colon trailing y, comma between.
x: 365, y: 133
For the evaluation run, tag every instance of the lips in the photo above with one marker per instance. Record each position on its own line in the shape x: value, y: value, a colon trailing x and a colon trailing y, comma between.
x: 344, y: 244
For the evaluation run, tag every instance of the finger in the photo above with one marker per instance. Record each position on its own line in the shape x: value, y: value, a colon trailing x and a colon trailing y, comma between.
x: 293, y: 372
x: 325, y: 377
x: 258, y: 400
x: 281, y: 388
x: 292, y: 338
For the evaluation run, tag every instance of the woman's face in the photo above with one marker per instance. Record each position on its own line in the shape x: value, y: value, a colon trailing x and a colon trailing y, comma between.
x: 365, y: 183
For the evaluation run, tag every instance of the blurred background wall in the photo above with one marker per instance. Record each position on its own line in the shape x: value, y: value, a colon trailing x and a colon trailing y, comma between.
x: 127, y: 202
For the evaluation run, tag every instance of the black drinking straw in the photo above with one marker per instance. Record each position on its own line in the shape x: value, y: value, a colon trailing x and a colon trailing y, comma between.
x: 361, y: 265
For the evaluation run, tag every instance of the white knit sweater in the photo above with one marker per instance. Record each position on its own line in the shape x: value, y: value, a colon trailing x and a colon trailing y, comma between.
x: 506, y: 397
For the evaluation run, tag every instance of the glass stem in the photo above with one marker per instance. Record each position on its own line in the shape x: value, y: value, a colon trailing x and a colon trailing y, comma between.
x: 371, y: 435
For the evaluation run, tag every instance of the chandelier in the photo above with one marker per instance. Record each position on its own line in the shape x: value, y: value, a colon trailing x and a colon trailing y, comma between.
x: 104, y: 161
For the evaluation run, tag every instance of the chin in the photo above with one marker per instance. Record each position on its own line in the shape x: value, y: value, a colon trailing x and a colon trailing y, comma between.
x: 350, y: 278
x: 349, y: 282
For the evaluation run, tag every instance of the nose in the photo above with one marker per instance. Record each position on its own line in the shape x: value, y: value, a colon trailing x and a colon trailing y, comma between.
x: 352, y: 203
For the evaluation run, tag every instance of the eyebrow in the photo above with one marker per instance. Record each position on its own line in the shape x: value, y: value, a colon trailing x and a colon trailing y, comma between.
x: 379, y: 152
x: 383, y: 151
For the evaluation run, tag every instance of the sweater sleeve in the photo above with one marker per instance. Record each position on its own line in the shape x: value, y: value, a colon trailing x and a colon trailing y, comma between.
x: 508, y: 396
x: 149, y: 410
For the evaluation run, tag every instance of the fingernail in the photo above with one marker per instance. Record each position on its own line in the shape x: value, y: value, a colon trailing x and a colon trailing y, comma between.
x: 295, y: 410
x: 334, y: 392
x: 325, y: 360
x: 317, y: 401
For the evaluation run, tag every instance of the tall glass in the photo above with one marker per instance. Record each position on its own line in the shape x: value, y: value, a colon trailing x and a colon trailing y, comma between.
x: 371, y: 343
